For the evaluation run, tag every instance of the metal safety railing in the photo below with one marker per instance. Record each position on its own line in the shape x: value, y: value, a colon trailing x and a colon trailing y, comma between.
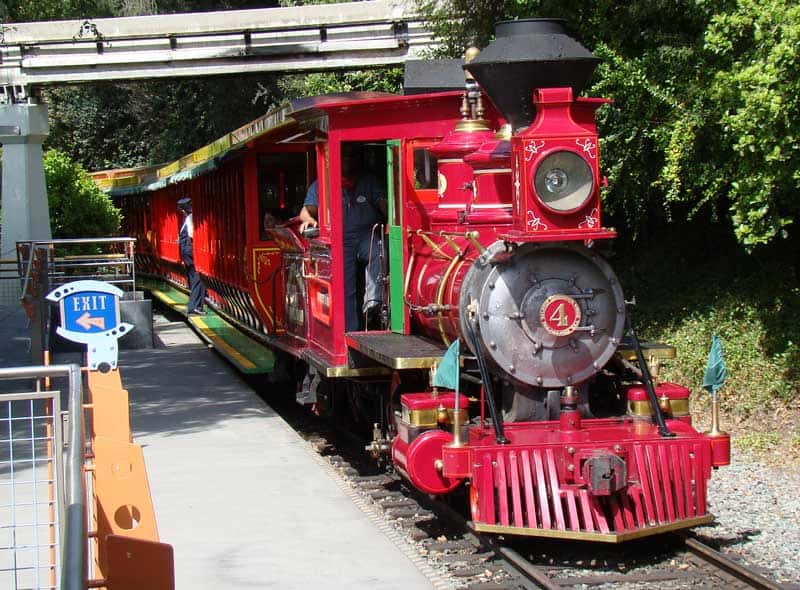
x: 8, y: 269
x: 43, y: 265
x: 43, y: 525
x: 110, y: 260
x: 9, y: 281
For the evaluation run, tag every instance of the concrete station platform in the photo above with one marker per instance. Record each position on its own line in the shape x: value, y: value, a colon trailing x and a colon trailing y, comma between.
x: 243, y: 500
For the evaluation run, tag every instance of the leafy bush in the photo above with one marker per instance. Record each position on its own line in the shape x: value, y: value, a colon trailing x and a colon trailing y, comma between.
x: 78, y: 209
x: 379, y: 80
x: 736, y: 137
x: 693, y: 282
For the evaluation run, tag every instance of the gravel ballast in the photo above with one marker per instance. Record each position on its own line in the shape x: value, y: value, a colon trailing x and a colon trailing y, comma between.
x: 757, y: 509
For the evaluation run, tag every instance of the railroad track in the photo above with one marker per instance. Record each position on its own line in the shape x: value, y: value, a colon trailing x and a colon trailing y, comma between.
x: 748, y: 576
x: 459, y: 559
x: 684, y: 562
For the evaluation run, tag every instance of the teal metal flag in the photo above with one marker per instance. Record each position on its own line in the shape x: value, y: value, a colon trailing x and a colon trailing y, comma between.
x: 447, y: 372
x: 715, y: 368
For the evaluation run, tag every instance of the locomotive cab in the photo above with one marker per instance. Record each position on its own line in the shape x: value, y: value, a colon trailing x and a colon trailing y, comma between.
x: 348, y: 245
x: 310, y: 302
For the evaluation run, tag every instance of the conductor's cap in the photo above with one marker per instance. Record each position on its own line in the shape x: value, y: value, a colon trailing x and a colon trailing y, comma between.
x: 185, y: 203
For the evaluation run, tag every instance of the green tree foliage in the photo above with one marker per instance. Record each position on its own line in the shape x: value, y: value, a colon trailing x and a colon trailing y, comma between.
x: 28, y: 10
x: 99, y: 125
x: 376, y: 80
x: 38, y: 10
x: 78, y: 209
x: 752, y: 57
x: 290, y: 3
x: 109, y: 125
x: 171, y: 6
x: 188, y: 114
x: 458, y: 24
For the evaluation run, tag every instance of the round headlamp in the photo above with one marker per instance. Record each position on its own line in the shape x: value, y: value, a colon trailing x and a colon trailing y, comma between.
x: 563, y: 182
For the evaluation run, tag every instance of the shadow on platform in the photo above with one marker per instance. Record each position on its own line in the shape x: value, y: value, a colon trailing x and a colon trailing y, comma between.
x: 184, y: 388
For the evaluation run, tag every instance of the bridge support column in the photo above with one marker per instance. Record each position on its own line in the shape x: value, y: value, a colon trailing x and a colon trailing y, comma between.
x: 23, y: 128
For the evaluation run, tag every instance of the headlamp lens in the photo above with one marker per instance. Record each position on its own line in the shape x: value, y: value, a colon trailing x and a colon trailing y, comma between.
x: 563, y: 182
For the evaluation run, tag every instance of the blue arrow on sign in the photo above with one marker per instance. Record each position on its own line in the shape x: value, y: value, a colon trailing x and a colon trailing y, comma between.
x: 90, y: 315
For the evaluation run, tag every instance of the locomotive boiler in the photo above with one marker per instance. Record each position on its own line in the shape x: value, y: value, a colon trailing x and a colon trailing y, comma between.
x: 558, y: 424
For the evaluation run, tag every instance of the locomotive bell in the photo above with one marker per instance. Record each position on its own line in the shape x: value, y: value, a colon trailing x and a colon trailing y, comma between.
x: 528, y: 54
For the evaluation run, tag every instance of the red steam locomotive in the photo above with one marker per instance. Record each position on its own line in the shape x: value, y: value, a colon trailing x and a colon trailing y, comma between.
x: 494, y: 233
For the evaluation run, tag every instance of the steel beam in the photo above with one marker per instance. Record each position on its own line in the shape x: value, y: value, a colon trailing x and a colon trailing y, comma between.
x: 303, y: 38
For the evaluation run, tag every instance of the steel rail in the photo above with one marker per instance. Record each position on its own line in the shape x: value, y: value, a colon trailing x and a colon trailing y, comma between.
x: 728, y: 565
x: 534, y: 573
x: 696, y: 547
x: 701, y: 550
x: 530, y: 576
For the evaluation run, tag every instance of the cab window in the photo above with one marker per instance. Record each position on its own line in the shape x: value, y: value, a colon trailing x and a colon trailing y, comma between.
x: 425, y: 169
x: 282, y: 182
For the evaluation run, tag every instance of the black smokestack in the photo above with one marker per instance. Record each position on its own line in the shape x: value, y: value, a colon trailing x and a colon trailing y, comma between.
x: 528, y: 54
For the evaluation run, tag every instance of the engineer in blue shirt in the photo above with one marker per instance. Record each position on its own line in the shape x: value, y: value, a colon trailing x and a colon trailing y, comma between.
x: 364, y: 211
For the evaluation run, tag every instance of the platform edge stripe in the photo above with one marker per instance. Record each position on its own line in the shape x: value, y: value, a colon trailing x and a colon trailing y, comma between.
x: 244, y: 363
x: 233, y: 344
x: 257, y: 352
x: 166, y: 298
x: 264, y: 360
x: 220, y: 344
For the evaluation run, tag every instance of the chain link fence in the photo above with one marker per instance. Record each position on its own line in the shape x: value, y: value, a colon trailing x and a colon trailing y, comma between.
x: 41, y: 481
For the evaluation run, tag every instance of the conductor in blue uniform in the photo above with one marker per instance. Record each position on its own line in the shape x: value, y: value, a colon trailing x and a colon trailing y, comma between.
x: 197, y: 291
x: 364, y: 210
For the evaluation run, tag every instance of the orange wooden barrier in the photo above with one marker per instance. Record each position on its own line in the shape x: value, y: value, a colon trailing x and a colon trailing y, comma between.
x: 135, y: 564
x: 127, y: 553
